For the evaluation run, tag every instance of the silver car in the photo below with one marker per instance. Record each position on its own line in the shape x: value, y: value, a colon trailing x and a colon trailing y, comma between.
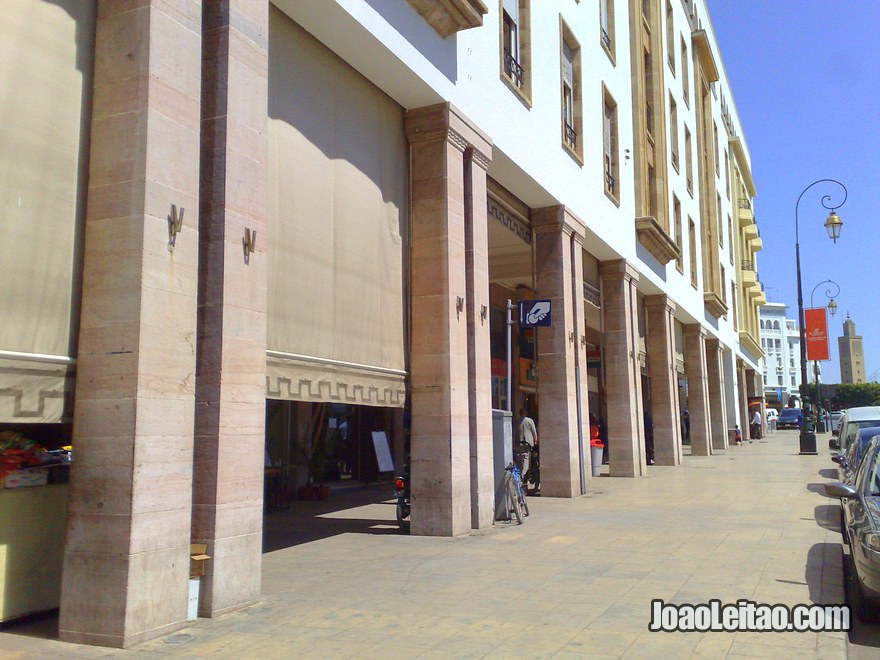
x: 861, y: 528
x: 854, y: 419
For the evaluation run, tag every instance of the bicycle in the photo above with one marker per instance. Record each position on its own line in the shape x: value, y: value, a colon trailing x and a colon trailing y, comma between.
x: 516, y: 498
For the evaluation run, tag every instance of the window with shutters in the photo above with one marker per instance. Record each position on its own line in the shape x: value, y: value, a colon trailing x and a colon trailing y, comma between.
x: 688, y: 162
x: 609, y: 146
x: 606, y: 27
x: 673, y: 132
x: 685, y: 83
x: 571, y: 96
x: 515, y: 47
x: 692, y: 247
x: 670, y: 38
x: 679, y: 239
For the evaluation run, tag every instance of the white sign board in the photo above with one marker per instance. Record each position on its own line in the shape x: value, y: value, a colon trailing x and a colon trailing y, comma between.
x: 383, y: 453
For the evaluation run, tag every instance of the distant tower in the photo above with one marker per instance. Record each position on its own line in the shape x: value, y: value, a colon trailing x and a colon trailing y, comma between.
x: 852, y: 357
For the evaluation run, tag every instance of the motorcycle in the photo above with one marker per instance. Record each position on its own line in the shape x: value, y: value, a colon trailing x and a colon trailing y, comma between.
x: 401, y: 492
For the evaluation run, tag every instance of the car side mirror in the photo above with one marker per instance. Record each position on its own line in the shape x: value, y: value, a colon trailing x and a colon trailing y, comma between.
x: 838, y: 489
x: 834, y: 443
x: 835, y: 432
x: 840, y: 460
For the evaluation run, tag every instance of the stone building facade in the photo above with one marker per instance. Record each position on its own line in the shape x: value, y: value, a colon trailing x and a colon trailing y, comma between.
x: 232, y: 220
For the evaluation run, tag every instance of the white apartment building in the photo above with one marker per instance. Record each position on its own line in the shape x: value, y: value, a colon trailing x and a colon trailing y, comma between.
x: 781, y: 366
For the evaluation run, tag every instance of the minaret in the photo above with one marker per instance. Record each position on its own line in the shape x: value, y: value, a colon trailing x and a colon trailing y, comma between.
x: 852, y: 357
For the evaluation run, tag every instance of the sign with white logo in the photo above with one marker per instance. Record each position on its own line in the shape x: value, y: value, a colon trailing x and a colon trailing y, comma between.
x: 534, y: 313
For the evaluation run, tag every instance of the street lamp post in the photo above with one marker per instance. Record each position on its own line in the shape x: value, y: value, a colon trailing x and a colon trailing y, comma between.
x: 832, y: 308
x: 832, y: 225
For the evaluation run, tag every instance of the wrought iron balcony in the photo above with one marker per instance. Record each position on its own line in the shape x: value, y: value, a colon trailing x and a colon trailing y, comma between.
x: 609, y: 182
x: 512, y: 69
x: 571, y: 135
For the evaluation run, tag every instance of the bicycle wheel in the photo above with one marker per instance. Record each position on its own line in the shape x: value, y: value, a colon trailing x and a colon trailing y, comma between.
x: 513, y: 501
x: 523, y: 503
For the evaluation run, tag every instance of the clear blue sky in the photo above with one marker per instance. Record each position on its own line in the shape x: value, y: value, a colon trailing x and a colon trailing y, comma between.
x: 805, y: 76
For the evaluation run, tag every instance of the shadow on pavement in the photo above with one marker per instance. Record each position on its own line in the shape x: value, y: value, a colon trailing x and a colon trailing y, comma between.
x: 367, y: 510
x: 819, y: 489
x: 828, y: 516
x: 828, y: 473
x: 824, y: 573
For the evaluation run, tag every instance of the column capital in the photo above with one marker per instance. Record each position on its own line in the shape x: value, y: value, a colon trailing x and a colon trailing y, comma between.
x: 661, y: 300
x: 443, y: 121
x: 618, y: 269
x: 713, y: 344
x: 558, y: 219
x: 694, y: 329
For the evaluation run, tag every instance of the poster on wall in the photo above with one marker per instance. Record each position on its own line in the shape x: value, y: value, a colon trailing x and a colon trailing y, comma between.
x: 383, y: 453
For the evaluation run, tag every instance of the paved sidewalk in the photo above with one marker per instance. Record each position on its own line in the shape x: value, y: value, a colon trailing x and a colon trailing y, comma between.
x: 574, y: 581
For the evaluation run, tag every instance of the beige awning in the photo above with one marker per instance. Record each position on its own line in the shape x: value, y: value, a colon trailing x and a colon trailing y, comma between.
x: 46, y: 53
x: 337, y: 182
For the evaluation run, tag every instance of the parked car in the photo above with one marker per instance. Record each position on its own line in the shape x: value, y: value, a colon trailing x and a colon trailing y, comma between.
x: 836, y: 416
x: 772, y: 415
x: 861, y: 528
x: 848, y: 462
x: 790, y: 418
x: 853, y: 420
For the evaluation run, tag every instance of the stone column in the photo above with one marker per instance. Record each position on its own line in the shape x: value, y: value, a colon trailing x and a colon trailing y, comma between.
x: 558, y: 234
x: 717, y: 404
x: 698, y: 388
x: 440, y: 449
x: 623, y: 382
x: 664, y: 383
x: 743, y: 398
x: 231, y: 378
x: 478, y: 337
x: 126, y: 554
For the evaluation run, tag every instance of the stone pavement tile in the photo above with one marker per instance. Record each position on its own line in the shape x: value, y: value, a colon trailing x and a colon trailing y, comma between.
x: 569, y: 655
x: 833, y: 645
x: 759, y: 650
x: 511, y: 650
x: 791, y: 639
x: 571, y: 614
x: 463, y: 648
x: 663, y: 645
x: 713, y: 645
x: 601, y: 642
x: 226, y: 645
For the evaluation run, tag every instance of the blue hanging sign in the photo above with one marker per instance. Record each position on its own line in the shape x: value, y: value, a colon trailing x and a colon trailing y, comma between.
x: 534, y: 313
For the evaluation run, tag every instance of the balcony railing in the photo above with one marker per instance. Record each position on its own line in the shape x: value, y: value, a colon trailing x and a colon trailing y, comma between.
x: 571, y: 135
x: 609, y: 182
x: 512, y: 69
x: 744, y: 203
x: 746, y: 264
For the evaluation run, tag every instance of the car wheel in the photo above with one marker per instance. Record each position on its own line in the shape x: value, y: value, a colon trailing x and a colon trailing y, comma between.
x: 866, y: 610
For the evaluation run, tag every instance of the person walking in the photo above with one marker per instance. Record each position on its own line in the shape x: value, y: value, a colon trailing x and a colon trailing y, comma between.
x: 756, y: 425
x: 527, y: 440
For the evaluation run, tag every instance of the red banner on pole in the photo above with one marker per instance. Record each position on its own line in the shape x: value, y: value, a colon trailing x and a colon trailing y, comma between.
x: 816, y: 326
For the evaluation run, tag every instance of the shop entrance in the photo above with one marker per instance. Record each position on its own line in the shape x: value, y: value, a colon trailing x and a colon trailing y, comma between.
x: 328, y: 470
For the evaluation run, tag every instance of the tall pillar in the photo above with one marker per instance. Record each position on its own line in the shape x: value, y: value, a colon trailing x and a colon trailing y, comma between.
x: 717, y: 403
x: 478, y: 337
x: 743, y: 398
x: 623, y: 382
x: 559, y: 266
x: 698, y: 388
x: 440, y: 448
x: 664, y: 382
x: 231, y: 376
x: 126, y: 554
